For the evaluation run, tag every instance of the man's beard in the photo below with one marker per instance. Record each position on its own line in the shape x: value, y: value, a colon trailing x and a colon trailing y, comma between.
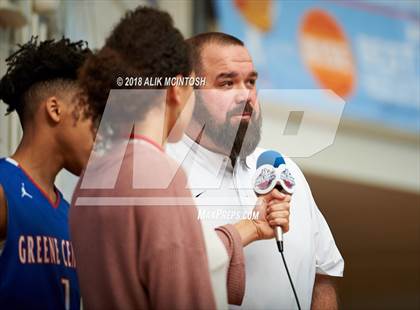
x: 238, y: 140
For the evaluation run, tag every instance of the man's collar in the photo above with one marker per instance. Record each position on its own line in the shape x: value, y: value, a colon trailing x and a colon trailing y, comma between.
x: 206, y: 157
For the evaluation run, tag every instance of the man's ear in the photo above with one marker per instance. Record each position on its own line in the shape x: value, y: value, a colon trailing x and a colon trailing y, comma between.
x: 54, y: 109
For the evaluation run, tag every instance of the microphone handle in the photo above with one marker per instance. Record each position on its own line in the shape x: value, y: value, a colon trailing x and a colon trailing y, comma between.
x: 278, y: 231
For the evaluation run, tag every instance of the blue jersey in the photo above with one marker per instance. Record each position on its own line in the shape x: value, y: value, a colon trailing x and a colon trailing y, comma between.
x: 37, y: 264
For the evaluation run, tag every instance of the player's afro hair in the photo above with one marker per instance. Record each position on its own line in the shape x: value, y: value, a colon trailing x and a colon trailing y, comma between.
x: 35, y: 63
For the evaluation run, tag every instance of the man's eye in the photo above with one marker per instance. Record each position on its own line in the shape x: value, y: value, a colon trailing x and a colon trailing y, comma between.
x: 252, y: 82
x: 226, y: 84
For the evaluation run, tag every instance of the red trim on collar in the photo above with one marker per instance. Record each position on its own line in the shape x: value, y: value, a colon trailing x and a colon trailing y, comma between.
x: 148, y: 140
x: 58, y: 199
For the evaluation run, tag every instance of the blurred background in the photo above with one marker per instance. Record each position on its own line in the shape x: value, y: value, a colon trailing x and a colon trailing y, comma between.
x: 367, y: 182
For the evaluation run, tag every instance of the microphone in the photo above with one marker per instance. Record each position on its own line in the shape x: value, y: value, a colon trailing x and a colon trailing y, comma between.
x: 272, y: 173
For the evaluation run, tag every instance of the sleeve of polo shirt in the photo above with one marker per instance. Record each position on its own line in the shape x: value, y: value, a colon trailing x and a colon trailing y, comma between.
x: 327, y: 256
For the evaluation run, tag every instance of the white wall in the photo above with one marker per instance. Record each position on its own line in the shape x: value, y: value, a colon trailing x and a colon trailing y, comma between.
x: 93, y: 20
x: 10, y: 129
x: 360, y: 152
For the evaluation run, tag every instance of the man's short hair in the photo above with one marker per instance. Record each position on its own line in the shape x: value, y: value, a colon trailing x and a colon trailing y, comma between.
x: 198, y: 42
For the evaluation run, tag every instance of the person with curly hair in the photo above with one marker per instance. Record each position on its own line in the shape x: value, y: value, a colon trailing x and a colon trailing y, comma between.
x: 138, y: 239
x: 37, y: 262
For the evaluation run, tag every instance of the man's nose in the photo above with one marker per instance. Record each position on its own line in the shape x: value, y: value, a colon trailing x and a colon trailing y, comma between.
x: 242, y: 95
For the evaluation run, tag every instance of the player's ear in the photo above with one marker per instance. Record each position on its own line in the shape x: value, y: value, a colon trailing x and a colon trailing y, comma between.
x: 177, y: 95
x: 174, y: 97
x: 54, y: 109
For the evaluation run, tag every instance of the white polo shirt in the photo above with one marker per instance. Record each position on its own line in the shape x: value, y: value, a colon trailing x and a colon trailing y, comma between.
x: 225, y: 195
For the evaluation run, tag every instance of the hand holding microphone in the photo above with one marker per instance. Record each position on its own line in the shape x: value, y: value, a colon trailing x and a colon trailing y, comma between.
x: 273, y: 184
x: 273, y: 209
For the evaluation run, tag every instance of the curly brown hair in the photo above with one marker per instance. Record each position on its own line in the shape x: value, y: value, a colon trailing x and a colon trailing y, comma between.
x: 39, y: 68
x: 143, y: 44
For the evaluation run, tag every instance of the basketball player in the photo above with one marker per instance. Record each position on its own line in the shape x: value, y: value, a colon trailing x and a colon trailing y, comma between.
x: 37, y: 262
